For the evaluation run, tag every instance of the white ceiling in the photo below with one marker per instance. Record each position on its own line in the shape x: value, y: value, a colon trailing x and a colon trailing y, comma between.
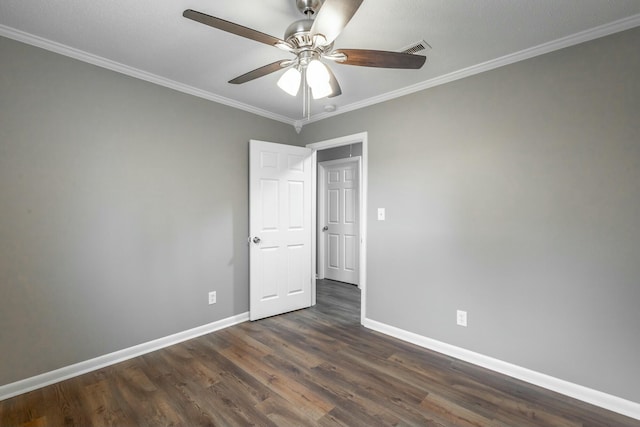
x: 150, y: 39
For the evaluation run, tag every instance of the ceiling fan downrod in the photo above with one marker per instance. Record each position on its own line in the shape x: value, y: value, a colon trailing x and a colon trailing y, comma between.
x: 309, y: 7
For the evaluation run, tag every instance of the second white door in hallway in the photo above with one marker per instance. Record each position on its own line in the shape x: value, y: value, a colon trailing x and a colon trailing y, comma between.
x: 340, y: 209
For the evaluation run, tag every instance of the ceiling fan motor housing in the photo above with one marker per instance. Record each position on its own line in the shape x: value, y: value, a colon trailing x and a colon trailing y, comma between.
x: 298, y: 35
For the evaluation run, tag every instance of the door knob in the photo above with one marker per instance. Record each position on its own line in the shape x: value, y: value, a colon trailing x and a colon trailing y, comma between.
x: 325, y: 228
x: 256, y: 240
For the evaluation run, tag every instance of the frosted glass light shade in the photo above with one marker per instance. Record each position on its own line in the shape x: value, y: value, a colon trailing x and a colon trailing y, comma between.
x: 320, y: 91
x: 290, y: 81
x: 317, y: 74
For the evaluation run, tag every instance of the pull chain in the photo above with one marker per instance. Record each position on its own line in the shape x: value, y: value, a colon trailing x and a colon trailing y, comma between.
x: 306, y: 97
x: 308, y: 103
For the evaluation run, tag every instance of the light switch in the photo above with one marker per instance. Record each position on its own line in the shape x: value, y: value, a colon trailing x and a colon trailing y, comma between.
x: 381, y: 214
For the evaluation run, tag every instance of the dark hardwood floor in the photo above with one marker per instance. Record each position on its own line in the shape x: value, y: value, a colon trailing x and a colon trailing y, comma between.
x: 310, y: 367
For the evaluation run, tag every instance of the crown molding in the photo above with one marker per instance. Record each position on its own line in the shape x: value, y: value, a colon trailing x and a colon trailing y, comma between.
x: 99, y: 61
x: 574, y: 39
x: 561, y: 43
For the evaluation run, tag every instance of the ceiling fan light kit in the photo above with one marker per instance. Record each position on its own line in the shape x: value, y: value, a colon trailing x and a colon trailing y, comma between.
x: 311, y: 41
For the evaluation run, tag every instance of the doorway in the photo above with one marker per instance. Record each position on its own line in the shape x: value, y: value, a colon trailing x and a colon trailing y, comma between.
x: 360, y: 139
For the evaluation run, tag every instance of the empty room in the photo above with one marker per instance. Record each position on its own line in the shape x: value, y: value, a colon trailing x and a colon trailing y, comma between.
x: 320, y: 212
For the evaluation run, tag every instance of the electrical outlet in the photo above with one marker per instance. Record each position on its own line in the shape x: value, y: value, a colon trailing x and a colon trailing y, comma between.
x: 212, y: 297
x: 461, y: 318
x: 381, y: 214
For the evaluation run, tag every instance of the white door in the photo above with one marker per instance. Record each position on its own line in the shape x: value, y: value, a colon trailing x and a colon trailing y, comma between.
x: 280, y: 227
x: 341, y: 228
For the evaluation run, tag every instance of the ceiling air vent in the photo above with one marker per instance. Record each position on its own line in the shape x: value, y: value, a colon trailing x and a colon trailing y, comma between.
x: 416, y: 47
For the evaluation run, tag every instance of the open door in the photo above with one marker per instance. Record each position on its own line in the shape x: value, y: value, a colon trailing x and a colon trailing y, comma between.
x: 280, y: 227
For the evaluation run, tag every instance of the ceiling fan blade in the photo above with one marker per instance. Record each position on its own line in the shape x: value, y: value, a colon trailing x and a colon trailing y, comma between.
x: 232, y: 28
x: 333, y: 16
x: 335, y: 86
x: 380, y: 58
x: 260, y: 72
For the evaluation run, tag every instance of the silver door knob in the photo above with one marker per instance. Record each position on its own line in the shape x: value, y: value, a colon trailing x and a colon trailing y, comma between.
x: 325, y: 228
x: 256, y: 240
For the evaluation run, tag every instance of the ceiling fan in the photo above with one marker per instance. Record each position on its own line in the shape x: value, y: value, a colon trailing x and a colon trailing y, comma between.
x: 311, y: 41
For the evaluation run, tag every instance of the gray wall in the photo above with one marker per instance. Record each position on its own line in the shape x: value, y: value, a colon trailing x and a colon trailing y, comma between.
x: 122, y: 204
x: 514, y: 195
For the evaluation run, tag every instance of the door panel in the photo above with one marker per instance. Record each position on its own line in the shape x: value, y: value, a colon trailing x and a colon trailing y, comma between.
x: 296, y: 205
x: 349, y: 206
x: 269, y: 288
x: 333, y: 206
x: 334, y: 251
x: 350, y: 261
x: 269, y: 204
x: 280, y: 228
x: 296, y: 271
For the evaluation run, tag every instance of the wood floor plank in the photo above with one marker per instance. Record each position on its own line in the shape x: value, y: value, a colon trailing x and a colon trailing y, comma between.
x: 284, y: 346
x: 302, y: 398
x: 64, y: 404
x: 341, y: 401
x: 107, y: 407
x: 17, y: 414
x: 240, y: 405
x: 464, y: 393
x: 181, y: 400
x: 313, y: 367
x: 372, y: 400
x: 282, y: 413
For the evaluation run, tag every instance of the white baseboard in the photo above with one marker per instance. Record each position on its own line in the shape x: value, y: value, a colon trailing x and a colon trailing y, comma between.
x: 594, y: 397
x: 52, y: 377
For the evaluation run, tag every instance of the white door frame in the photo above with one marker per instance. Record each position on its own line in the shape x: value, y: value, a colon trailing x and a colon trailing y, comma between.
x: 321, y: 211
x: 338, y: 142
